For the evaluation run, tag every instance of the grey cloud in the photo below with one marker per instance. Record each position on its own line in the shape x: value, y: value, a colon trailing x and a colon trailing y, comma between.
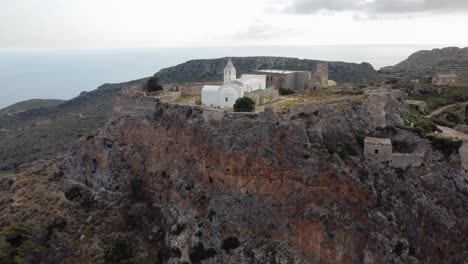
x: 375, y: 7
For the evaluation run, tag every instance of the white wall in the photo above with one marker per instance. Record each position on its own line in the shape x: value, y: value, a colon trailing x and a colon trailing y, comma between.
x: 256, y: 82
x: 210, y: 95
x: 229, y: 94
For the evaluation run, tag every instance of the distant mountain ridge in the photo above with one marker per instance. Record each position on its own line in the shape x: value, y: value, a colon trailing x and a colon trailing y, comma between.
x: 430, y: 62
x: 209, y: 70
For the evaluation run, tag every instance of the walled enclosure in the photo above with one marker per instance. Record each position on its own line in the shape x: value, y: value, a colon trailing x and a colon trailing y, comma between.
x: 379, y: 151
x: 261, y: 97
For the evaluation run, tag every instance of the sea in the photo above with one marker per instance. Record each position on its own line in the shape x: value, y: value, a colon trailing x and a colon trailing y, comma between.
x: 64, y: 73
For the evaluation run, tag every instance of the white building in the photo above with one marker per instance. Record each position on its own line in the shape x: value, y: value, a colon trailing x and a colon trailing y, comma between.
x: 226, y: 95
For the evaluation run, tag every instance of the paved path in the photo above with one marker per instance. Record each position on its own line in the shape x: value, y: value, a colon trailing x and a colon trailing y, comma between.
x: 443, y: 108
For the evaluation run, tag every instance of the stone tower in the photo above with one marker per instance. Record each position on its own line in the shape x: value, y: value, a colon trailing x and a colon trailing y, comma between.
x: 321, y: 75
x: 230, y: 72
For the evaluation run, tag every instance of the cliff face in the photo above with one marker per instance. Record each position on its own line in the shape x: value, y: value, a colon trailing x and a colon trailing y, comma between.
x: 212, y: 69
x: 270, y: 188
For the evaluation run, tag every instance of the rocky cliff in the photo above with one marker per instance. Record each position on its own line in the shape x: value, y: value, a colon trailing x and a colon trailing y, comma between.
x: 430, y: 62
x: 204, y: 187
x: 212, y: 69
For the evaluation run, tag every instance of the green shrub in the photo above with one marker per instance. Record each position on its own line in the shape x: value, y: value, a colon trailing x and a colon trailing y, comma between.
x: 343, y: 151
x: 152, y: 85
x: 445, y: 145
x: 119, y: 251
x: 285, y: 91
x: 244, y: 104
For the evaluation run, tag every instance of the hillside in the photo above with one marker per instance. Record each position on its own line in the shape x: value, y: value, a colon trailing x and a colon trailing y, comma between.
x: 429, y: 62
x: 180, y: 185
x: 30, y: 104
x: 38, y: 129
x: 212, y: 69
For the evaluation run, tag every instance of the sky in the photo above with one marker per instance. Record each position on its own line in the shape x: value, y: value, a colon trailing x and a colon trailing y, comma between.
x: 70, y: 24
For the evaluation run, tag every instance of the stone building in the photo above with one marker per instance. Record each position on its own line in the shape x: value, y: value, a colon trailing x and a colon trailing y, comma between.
x: 226, y: 95
x: 377, y: 151
x: 420, y: 106
x: 297, y: 80
x: 444, y: 79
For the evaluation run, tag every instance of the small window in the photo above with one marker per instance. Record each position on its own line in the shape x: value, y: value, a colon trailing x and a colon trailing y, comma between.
x: 376, y: 151
x: 227, y: 99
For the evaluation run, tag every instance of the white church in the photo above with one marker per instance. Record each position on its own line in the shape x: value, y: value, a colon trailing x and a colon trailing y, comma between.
x: 226, y: 95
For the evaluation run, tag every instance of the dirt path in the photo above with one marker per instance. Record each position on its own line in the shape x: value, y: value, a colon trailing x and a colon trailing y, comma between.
x: 443, y: 108
x: 452, y: 133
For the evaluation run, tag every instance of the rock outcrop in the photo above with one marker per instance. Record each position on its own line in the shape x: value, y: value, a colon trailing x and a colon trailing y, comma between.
x: 277, y: 187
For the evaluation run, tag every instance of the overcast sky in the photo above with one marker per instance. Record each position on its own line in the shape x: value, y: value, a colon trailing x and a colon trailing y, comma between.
x: 187, y: 23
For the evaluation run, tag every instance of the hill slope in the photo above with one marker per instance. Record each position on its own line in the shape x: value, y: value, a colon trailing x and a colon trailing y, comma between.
x: 29, y: 104
x: 429, y: 62
x: 29, y: 132
x: 212, y: 69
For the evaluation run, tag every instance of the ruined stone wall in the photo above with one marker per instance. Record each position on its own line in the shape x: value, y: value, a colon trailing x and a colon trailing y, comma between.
x: 170, y: 96
x: 135, y: 105
x: 261, y: 97
x: 320, y: 77
x: 407, y: 160
x: 464, y: 159
x: 194, y: 89
x: 377, y: 154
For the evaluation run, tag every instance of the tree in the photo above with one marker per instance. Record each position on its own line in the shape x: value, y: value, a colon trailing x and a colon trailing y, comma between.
x: 244, y: 104
x: 152, y: 85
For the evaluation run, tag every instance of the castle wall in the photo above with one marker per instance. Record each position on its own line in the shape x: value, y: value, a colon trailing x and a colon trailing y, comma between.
x: 261, y: 97
x: 464, y: 159
x: 135, y: 105
x: 406, y: 160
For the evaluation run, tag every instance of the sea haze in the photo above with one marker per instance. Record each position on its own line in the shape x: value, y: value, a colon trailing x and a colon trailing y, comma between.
x: 63, y: 74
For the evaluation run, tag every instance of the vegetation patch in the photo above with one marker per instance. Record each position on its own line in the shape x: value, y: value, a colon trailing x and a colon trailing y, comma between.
x: 419, y: 124
x: 244, y: 104
x: 285, y: 91
x: 445, y: 145
x: 152, y: 85
x: 447, y: 95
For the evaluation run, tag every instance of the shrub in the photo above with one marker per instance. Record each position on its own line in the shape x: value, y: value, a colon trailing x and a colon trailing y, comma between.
x: 244, y: 104
x: 285, y: 91
x: 445, y: 145
x: 119, y: 251
x: 152, y: 85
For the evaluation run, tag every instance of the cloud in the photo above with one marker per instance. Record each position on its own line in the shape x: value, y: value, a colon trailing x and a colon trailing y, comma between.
x: 377, y: 7
x: 261, y: 31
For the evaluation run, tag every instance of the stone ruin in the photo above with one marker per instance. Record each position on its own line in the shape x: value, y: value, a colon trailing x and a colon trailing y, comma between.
x: 464, y: 159
x: 378, y: 152
x: 420, y: 106
x: 444, y: 79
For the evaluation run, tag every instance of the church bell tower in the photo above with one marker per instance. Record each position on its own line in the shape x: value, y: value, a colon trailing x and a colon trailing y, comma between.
x: 230, y: 72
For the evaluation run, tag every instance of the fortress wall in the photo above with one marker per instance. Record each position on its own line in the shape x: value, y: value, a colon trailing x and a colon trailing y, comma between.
x: 406, y: 160
x: 261, y: 97
x: 135, y: 105
x: 464, y: 159
x: 170, y: 96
